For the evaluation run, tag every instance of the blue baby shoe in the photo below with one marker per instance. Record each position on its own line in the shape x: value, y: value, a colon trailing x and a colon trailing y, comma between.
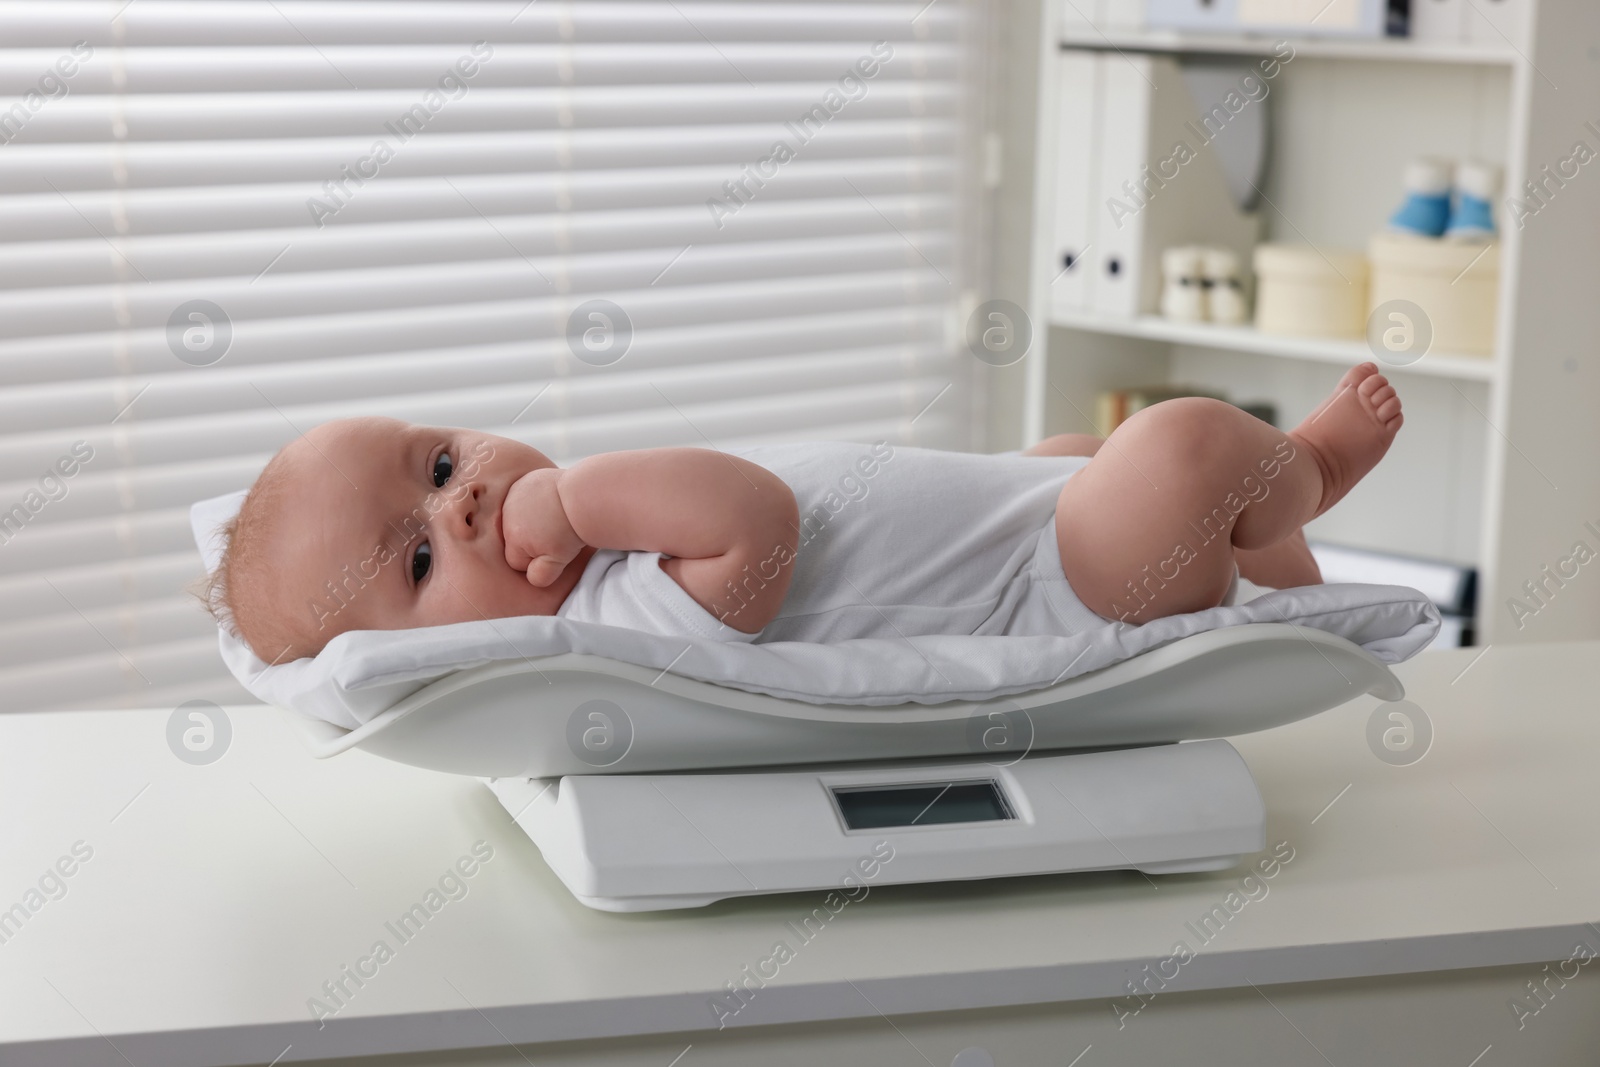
x: 1426, y: 209
x: 1473, y: 217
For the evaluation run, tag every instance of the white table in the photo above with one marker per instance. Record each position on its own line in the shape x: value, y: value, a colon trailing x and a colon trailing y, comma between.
x: 219, y: 898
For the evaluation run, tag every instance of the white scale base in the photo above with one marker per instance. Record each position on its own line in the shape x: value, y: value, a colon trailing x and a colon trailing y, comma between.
x: 656, y: 841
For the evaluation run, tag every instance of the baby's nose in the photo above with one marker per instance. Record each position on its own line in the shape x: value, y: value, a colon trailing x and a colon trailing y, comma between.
x: 465, y: 504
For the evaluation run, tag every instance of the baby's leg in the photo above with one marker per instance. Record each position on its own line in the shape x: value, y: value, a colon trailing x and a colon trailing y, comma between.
x: 1287, y: 564
x: 1066, y: 444
x: 1150, y: 526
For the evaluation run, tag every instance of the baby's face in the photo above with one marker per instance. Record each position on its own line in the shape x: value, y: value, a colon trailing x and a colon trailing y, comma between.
x: 389, y: 525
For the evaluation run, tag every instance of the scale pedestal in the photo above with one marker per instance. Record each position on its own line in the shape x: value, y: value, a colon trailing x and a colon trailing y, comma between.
x: 656, y: 841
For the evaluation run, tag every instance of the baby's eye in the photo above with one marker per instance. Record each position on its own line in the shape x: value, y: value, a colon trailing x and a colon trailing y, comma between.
x: 442, y: 468
x: 421, y: 562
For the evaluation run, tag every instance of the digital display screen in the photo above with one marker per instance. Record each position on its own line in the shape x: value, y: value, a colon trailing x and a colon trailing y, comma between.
x: 921, y: 804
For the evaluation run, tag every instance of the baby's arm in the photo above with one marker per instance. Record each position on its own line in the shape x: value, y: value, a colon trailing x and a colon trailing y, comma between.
x: 715, y: 515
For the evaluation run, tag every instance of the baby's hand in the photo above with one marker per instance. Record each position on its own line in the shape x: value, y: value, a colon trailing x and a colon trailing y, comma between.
x: 539, y: 537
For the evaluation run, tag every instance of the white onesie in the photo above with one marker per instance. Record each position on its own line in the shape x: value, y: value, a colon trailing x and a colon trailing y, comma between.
x: 894, y: 542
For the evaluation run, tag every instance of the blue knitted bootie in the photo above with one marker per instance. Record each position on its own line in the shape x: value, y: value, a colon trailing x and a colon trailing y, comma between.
x: 1473, y: 216
x: 1426, y: 209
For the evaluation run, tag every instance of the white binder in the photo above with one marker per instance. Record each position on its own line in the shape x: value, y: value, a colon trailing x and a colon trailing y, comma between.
x: 1147, y: 200
x: 1078, y: 97
x: 1497, y: 22
x: 1121, y: 14
x: 1082, y: 18
x: 1079, y: 18
x: 1443, y: 21
x: 1127, y: 83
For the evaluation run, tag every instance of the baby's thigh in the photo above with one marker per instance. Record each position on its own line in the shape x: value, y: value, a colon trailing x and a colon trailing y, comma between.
x: 1130, y: 551
x: 1066, y: 444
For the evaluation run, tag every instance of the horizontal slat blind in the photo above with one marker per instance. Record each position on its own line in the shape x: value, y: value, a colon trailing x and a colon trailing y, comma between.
x: 533, y: 156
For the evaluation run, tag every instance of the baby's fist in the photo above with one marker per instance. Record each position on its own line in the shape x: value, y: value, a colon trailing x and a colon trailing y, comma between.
x: 539, y: 538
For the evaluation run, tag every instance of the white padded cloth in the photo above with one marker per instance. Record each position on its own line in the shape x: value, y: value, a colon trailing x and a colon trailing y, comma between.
x: 364, y: 672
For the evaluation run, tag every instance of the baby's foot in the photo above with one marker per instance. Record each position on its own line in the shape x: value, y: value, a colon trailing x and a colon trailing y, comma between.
x: 1350, y: 431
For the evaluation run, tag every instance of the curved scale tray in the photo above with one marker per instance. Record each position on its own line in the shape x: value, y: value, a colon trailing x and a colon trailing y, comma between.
x: 536, y: 718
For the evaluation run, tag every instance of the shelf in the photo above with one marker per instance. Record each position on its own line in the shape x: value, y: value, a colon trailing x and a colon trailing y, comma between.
x: 1380, y: 48
x: 1246, y: 339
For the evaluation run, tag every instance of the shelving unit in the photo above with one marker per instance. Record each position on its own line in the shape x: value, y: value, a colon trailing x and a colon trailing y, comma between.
x: 1387, y: 48
x: 1498, y: 465
x: 1247, y: 339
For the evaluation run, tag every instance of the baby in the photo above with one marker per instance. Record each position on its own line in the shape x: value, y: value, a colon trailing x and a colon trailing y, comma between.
x: 377, y: 524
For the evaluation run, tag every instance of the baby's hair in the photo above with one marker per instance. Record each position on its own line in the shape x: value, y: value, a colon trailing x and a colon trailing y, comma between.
x: 234, y: 594
x: 211, y: 589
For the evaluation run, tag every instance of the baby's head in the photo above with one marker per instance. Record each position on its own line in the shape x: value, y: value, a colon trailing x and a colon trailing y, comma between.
x: 372, y: 524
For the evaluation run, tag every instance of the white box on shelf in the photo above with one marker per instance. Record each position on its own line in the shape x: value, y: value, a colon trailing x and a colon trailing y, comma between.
x: 1457, y: 286
x: 1304, y: 291
x: 1078, y: 105
x: 1317, y: 18
x: 1191, y: 15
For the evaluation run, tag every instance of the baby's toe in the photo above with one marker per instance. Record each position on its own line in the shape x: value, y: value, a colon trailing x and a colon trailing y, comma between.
x: 1372, y: 383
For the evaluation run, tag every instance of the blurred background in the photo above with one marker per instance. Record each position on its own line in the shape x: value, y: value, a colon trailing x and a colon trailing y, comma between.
x: 236, y: 220
x: 604, y: 225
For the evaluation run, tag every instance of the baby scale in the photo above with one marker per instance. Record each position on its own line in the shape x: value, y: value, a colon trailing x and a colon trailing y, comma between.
x: 700, y: 792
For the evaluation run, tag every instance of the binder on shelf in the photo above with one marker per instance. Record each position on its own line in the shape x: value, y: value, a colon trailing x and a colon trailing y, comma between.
x: 1441, y: 21
x: 1451, y: 586
x: 1496, y: 22
x: 1078, y: 96
x: 1127, y: 88
x: 1082, y: 18
x: 1078, y: 20
x: 1120, y: 14
x: 1162, y: 181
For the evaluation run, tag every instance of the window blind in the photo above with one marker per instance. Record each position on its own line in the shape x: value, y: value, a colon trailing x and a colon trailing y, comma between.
x: 589, y: 226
